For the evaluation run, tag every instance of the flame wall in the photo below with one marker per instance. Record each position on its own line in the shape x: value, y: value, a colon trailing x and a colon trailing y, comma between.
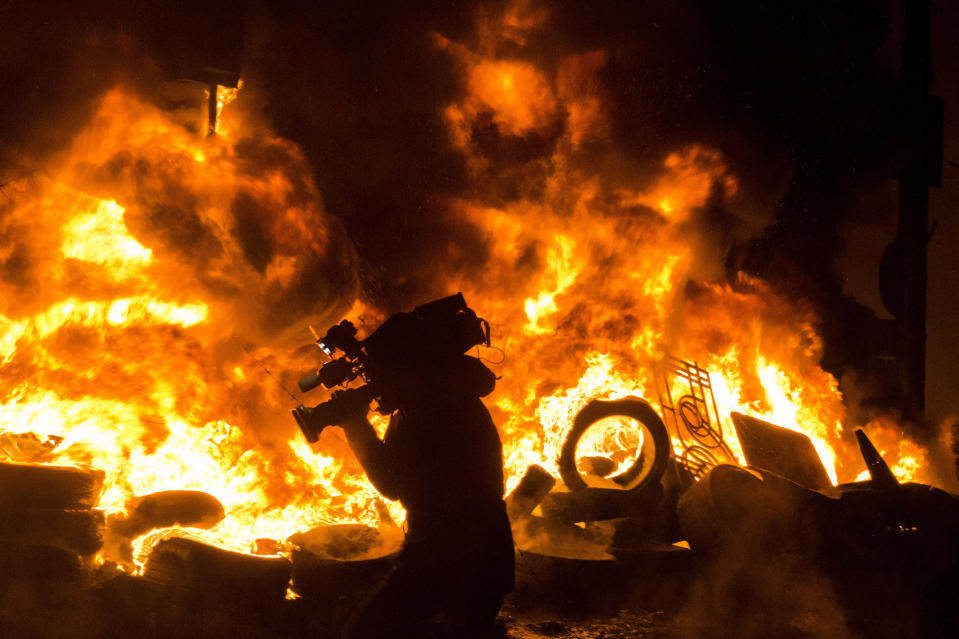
x: 147, y: 274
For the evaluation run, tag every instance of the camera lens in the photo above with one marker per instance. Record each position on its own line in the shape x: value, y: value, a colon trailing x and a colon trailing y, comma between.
x: 309, y: 382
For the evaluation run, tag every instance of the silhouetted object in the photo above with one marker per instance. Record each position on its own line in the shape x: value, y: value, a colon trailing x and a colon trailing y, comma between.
x: 37, y: 584
x: 338, y: 567
x: 79, y: 531
x: 50, y: 506
x: 213, y: 592
x: 690, y: 413
x: 24, y: 561
x: 432, y: 334
x: 333, y: 588
x: 879, y: 473
x: 42, y: 486
x: 733, y: 505
x: 651, y: 458
x: 200, y: 41
x: 209, y: 571
x: 171, y: 508
x: 597, y: 504
x: 547, y: 536
x: 211, y: 108
x: 529, y: 492
x: 780, y: 450
x: 902, y: 274
x: 441, y: 457
x: 889, y: 548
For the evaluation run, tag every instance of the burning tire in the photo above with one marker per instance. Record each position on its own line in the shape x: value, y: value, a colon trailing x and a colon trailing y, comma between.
x: 651, y: 458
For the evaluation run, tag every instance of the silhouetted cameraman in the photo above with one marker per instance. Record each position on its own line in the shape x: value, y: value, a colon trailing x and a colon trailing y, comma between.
x: 442, y: 458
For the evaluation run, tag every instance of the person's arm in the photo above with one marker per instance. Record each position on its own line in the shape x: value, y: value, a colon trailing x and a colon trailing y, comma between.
x: 372, y: 453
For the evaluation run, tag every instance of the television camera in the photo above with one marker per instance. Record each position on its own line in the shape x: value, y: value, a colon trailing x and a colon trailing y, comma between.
x: 424, y: 337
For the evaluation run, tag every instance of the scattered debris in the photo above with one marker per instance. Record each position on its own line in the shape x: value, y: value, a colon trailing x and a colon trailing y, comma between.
x: 529, y: 492
x: 49, y: 509
x: 693, y: 416
x: 875, y: 540
x: 336, y: 567
x: 205, y: 570
x: 43, y: 486
x: 636, y: 514
x: 79, y: 531
x: 780, y: 450
x: 581, y: 547
x: 192, y: 508
x: 27, y: 447
x: 598, y: 504
x: 349, y: 542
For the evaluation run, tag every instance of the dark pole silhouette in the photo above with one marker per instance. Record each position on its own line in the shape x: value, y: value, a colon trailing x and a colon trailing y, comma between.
x: 922, y: 120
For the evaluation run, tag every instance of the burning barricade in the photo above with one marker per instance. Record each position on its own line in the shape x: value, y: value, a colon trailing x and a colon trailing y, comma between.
x: 883, y: 550
x: 142, y: 267
x: 875, y: 539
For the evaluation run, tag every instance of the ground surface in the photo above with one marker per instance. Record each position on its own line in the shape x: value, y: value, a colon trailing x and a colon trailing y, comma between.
x: 625, y: 624
x: 570, y: 599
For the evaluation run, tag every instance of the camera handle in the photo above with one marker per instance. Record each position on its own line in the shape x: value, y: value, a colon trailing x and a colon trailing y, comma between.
x: 333, y: 411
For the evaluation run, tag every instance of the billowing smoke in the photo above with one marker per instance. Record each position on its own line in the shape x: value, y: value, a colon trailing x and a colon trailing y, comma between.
x: 243, y: 227
x: 413, y: 151
x: 365, y: 90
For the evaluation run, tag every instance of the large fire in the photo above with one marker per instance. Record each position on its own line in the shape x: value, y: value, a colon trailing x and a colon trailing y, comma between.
x: 152, y: 273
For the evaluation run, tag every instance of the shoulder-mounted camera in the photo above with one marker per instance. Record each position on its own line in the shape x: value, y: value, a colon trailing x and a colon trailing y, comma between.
x: 425, y: 337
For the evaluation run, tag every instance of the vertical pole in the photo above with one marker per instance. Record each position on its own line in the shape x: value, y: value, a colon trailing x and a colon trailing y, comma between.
x: 913, y: 218
x: 918, y: 174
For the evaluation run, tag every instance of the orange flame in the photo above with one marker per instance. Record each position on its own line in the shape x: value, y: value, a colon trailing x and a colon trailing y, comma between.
x: 136, y: 273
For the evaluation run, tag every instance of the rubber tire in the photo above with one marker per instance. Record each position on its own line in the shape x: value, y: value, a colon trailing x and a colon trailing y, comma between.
x: 633, y: 407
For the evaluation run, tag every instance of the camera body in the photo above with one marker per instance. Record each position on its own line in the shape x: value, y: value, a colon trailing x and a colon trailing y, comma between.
x: 430, y: 333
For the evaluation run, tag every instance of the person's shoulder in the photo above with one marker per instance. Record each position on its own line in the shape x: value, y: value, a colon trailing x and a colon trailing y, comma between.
x: 481, y: 380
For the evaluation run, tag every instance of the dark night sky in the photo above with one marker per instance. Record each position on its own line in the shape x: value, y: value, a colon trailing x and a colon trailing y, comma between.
x: 795, y: 94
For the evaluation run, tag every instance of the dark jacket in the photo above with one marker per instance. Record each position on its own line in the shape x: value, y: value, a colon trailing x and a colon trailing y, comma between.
x: 442, y: 458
